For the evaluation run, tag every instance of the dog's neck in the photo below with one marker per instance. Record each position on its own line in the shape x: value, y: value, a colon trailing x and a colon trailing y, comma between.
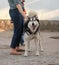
x: 28, y: 31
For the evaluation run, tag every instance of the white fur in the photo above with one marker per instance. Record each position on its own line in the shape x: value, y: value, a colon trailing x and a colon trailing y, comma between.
x: 36, y: 38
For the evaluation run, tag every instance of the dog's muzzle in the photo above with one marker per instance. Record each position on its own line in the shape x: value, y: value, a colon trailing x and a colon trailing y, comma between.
x: 33, y: 26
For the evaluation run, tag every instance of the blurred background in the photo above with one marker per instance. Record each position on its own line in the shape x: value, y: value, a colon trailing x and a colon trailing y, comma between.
x: 48, y: 13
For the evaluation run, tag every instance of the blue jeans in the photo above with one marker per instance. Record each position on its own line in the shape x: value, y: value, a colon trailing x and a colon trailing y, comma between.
x: 18, y: 21
x: 21, y: 40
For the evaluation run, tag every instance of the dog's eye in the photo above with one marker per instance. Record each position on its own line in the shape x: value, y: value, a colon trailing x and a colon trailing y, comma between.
x: 34, y: 18
x: 30, y: 19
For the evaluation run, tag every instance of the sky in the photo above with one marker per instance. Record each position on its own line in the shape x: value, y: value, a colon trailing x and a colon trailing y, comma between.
x: 46, y: 9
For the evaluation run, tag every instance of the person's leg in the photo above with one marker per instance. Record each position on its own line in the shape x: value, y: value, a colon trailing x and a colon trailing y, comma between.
x: 16, y: 34
x: 20, y: 40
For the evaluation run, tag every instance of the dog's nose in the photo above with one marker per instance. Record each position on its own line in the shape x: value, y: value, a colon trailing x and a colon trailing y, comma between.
x: 33, y: 24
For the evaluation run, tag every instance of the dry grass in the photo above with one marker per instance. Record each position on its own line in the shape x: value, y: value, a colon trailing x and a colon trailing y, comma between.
x: 1, y: 30
x: 48, y: 25
x: 6, y: 25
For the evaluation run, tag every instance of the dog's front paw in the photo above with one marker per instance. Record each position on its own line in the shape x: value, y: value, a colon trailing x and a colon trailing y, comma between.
x: 41, y: 50
x: 26, y: 54
x: 37, y: 54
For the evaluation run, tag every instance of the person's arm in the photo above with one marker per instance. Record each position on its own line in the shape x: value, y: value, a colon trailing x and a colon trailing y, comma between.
x: 21, y: 10
x: 19, y: 7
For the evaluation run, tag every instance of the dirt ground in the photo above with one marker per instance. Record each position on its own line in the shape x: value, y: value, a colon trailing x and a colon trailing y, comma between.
x: 50, y: 56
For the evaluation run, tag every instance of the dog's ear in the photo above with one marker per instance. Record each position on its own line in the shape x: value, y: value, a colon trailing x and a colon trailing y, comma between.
x: 37, y: 19
x: 26, y: 21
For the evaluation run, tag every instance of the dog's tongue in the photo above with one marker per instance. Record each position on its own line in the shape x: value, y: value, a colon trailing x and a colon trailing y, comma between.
x: 34, y: 27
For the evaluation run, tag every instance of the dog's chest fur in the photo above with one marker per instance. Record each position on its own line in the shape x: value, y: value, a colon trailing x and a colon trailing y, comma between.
x: 32, y: 36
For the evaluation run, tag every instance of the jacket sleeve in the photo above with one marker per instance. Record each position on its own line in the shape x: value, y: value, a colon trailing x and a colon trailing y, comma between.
x: 17, y: 2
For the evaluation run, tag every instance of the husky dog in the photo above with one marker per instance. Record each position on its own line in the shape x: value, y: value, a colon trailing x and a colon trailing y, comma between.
x: 32, y: 31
